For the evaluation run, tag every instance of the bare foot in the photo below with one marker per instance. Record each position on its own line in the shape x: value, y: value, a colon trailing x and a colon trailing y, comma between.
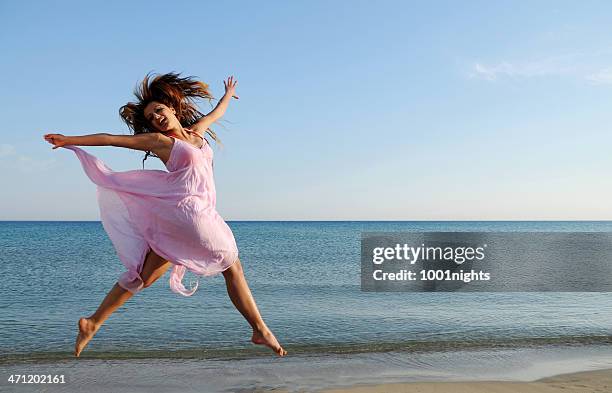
x: 266, y: 338
x: 87, y: 329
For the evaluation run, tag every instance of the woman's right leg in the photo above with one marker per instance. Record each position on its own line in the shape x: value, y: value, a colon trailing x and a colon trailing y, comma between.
x: 240, y: 294
x: 153, y: 268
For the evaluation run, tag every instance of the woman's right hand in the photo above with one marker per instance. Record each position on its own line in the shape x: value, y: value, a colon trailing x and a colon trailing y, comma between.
x: 57, y: 140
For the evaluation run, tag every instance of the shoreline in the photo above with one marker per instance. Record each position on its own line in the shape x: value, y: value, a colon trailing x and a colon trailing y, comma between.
x: 536, y: 369
x: 578, y: 382
x: 331, y: 349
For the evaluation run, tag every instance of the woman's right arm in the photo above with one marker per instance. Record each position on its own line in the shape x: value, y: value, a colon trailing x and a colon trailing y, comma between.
x: 145, y: 142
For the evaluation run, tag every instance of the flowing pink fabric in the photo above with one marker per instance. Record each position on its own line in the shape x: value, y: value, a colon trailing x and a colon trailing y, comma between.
x: 173, y: 213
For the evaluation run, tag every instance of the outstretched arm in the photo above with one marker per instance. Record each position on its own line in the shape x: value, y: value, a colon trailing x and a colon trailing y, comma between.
x: 206, y: 121
x: 146, y: 142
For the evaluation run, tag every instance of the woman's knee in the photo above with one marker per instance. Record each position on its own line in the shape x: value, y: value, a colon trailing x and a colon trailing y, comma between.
x: 153, y: 268
x: 234, y: 269
x: 148, y: 281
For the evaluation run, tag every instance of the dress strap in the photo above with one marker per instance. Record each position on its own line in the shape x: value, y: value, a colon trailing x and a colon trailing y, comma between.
x: 193, y: 132
x: 187, y: 130
x: 204, y: 141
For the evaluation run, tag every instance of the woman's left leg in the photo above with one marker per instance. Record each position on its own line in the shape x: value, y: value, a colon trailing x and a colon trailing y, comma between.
x: 240, y: 294
x: 153, y: 268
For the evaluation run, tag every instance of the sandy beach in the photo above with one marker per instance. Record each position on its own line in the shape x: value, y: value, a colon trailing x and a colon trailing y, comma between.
x: 583, y: 382
x: 598, y: 381
x: 539, y: 369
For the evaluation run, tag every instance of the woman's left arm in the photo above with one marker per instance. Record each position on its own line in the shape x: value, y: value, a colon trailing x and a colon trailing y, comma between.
x: 206, y: 121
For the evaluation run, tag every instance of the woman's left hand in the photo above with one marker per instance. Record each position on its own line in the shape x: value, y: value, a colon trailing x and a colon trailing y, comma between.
x: 230, y: 86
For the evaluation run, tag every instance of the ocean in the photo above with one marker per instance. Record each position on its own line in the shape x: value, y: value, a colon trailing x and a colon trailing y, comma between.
x: 305, y: 277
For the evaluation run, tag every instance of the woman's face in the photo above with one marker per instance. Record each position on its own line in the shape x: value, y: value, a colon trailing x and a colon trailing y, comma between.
x: 161, y: 117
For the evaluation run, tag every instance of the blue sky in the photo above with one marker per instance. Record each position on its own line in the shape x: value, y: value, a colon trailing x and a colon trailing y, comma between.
x: 348, y: 110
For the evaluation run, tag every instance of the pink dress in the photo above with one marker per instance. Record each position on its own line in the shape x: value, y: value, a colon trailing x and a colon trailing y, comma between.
x: 173, y: 213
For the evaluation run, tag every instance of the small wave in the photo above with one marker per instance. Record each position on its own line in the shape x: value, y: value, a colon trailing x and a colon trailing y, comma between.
x: 311, y: 349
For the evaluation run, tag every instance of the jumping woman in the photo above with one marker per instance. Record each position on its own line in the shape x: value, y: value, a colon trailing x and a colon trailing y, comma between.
x: 157, y: 219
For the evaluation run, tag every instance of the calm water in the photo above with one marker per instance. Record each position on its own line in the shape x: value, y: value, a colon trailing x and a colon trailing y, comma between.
x: 305, y: 277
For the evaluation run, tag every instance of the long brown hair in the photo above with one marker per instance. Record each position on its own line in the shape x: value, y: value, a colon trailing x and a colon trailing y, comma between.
x: 171, y: 90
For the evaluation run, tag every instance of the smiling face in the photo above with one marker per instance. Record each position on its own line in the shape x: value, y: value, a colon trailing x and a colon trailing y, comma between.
x: 161, y: 117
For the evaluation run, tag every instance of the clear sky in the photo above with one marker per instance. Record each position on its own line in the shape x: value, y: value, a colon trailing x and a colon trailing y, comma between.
x: 348, y: 110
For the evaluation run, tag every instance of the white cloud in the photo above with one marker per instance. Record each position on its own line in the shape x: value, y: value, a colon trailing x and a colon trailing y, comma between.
x: 591, y: 67
x: 530, y: 69
x: 6, y: 150
x: 601, y: 77
x: 11, y: 159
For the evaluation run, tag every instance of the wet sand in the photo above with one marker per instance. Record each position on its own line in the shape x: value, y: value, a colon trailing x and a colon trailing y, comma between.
x: 583, y: 382
x: 538, y: 369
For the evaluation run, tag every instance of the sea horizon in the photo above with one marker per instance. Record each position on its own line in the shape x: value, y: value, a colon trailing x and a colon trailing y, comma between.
x: 406, y: 221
